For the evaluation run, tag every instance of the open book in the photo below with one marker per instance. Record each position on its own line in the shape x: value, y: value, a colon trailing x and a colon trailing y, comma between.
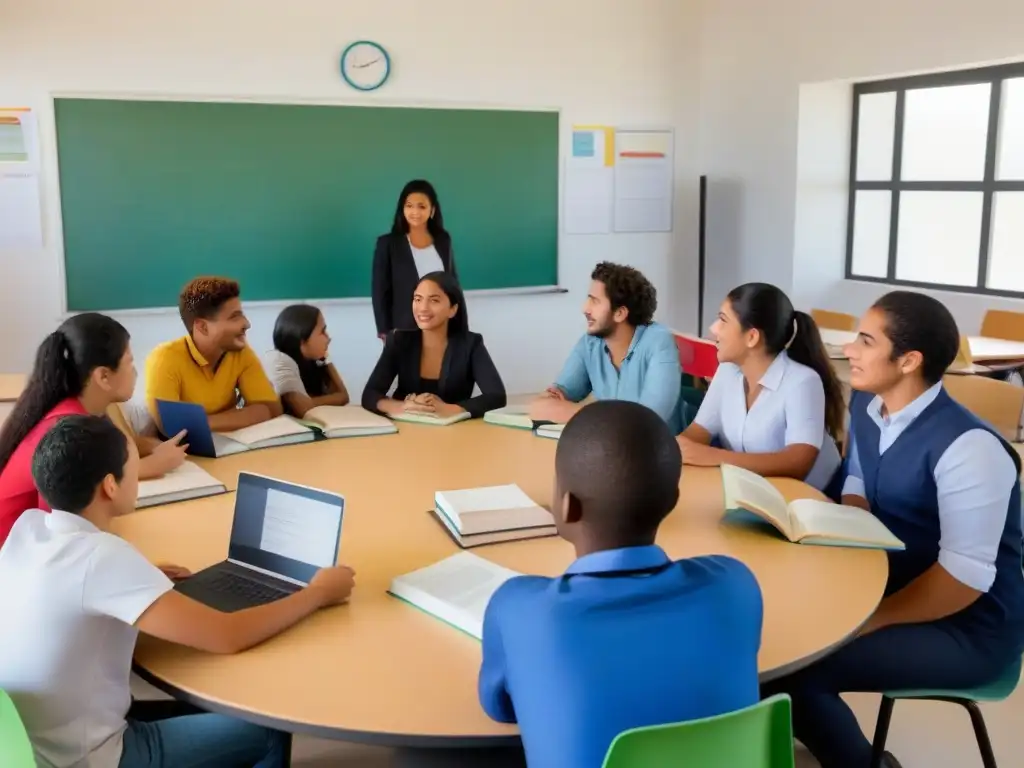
x: 189, y: 481
x: 804, y: 521
x: 176, y: 416
x: 517, y: 416
x: 455, y: 590
x: 429, y: 418
x: 284, y: 430
x: 347, y: 421
x: 553, y: 431
x: 490, y: 515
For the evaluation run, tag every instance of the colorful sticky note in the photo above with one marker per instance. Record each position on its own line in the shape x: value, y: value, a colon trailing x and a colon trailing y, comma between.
x: 582, y: 144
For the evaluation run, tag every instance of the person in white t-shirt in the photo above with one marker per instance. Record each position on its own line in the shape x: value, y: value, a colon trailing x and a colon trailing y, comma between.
x: 298, y: 366
x: 73, y: 599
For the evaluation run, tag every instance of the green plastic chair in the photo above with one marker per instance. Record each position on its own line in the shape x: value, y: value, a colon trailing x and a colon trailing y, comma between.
x: 760, y: 736
x: 15, y: 748
x: 997, y: 690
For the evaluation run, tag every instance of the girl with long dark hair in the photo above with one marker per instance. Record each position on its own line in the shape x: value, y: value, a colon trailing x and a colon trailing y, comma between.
x: 775, y: 404
x: 84, y: 367
x: 298, y: 366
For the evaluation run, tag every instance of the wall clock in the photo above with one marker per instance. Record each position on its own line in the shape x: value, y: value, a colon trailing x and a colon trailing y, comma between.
x: 365, y: 65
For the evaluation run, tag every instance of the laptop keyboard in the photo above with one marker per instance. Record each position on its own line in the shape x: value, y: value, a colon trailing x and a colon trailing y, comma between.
x: 253, y: 591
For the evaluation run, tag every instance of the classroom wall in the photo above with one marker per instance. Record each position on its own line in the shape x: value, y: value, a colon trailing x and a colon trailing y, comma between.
x: 774, y: 128
x: 599, y: 61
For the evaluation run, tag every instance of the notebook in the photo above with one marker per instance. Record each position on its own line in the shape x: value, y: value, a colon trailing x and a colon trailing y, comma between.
x: 804, y: 521
x: 517, y: 416
x: 347, y: 421
x: 553, y: 431
x: 493, y: 514
x: 455, y: 590
x: 177, y: 416
x: 429, y: 418
x: 189, y: 481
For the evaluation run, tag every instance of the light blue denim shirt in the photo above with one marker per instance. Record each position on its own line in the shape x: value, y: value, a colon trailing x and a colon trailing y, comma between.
x: 650, y: 373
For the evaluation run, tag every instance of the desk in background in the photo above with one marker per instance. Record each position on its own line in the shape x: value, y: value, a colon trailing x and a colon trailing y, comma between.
x: 377, y: 670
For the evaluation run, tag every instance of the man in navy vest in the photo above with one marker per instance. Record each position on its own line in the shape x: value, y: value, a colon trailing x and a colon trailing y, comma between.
x: 948, y: 486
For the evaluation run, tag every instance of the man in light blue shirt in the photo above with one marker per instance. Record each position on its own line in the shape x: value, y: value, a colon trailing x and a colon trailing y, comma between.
x: 624, y: 356
x: 626, y: 637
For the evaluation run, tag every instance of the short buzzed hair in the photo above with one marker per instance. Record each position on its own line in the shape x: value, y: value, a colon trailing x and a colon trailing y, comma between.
x: 72, y: 459
x: 203, y: 297
x: 622, y: 462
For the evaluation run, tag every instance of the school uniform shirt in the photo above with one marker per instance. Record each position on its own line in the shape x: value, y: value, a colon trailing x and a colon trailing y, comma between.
x: 625, y: 638
x: 790, y: 410
x: 66, y: 650
x: 17, y: 488
x: 650, y: 373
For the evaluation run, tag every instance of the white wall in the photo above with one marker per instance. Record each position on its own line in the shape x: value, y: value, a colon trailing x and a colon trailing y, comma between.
x: 599, y: 61
x: 755, y: 56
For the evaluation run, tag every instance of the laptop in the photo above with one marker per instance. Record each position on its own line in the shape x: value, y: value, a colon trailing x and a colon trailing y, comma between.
x: 281, y: 535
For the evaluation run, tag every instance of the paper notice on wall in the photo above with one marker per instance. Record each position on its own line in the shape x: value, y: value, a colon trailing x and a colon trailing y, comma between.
x: 21, y: 220
x: 643, y: 181
x: 589, y: 181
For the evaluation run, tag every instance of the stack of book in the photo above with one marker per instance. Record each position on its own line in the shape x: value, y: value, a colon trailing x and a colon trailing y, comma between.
x: 478, y: 516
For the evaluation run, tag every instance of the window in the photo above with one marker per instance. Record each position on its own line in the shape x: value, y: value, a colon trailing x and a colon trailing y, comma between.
x: 937, y: 181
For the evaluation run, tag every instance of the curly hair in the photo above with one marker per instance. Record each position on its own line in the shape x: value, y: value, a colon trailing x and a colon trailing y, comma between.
x: 627, y: 287
x: 203, y: 297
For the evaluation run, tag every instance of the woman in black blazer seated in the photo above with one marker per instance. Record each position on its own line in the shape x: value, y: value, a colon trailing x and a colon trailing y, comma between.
x: 416, y: 246
x: 438, y: 365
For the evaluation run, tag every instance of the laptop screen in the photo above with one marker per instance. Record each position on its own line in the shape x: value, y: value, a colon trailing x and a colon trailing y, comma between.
x: 287, y: 529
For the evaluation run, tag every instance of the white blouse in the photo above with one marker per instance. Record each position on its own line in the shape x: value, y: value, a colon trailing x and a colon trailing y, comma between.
x: 427, y: 260
x: 789, y: 410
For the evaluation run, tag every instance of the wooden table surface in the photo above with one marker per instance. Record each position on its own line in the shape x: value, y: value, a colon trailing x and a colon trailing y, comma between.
x: 379, y: 671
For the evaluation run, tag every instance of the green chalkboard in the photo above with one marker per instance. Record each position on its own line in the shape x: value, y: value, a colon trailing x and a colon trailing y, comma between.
x: 289, y: 199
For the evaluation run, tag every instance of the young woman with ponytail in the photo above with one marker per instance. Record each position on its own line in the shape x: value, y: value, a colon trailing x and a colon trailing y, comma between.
x: 775, y: 405
x: 84, y: 367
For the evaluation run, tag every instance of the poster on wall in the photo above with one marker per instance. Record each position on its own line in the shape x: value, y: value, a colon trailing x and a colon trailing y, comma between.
x: 21, y: 220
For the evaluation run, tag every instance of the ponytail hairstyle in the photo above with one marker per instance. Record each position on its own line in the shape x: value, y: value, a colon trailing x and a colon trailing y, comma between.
x: 766, y: 308
x: 64, y: 363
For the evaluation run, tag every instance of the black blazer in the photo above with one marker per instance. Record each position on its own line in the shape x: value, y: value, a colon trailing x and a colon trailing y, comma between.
x: 465, y: 365
x: 395, y: 279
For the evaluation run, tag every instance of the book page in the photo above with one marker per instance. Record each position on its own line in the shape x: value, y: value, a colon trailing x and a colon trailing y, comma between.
x: 345, y: 417
x: 823, y: 519
x: 463, y: 581
x: 282, y: 426
x: 748, y: 490
x: 187, y: 477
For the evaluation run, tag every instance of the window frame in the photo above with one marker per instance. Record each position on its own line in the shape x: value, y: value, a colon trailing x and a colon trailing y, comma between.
x: 988, y: 186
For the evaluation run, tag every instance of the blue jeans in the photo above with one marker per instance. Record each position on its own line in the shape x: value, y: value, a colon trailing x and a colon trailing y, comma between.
x: 203, y: 741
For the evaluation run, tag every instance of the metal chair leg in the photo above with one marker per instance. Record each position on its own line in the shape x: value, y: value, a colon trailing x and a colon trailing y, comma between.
x: 882, y: 730
x: 988, y: 758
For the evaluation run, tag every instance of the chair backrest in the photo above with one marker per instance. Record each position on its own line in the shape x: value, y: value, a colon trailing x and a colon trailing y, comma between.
x: 15, y: 748
x: 839, y: 321
x: 697, y: 357
x: 964, y: 358
x: 999, y: 403
x: 760, y: 736
x: 1003, y: 324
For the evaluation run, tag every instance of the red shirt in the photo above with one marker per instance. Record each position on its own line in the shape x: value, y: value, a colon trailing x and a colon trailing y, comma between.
x: 17, y: 488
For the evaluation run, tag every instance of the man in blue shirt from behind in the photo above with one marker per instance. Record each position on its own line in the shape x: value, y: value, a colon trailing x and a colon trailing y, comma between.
x: 624, y: 355
x: 626, y: 637
x: 947, y: 485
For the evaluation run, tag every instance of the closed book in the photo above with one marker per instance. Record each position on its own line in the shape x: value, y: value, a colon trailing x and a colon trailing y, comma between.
x: 491, y: 509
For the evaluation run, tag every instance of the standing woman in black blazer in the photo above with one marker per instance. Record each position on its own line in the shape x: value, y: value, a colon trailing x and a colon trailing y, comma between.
x: 439, y: 364
x: 417, y: 245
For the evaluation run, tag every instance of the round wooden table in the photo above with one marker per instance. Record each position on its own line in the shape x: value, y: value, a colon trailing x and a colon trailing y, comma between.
x: 379, y: 671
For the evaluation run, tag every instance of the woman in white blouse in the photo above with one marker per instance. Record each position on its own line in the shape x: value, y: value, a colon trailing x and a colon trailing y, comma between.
x: 298, y: 365
x: 775, y: 405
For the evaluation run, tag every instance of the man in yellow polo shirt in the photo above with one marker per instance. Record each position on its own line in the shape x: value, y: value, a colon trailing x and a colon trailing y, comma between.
x: 213, y: 365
